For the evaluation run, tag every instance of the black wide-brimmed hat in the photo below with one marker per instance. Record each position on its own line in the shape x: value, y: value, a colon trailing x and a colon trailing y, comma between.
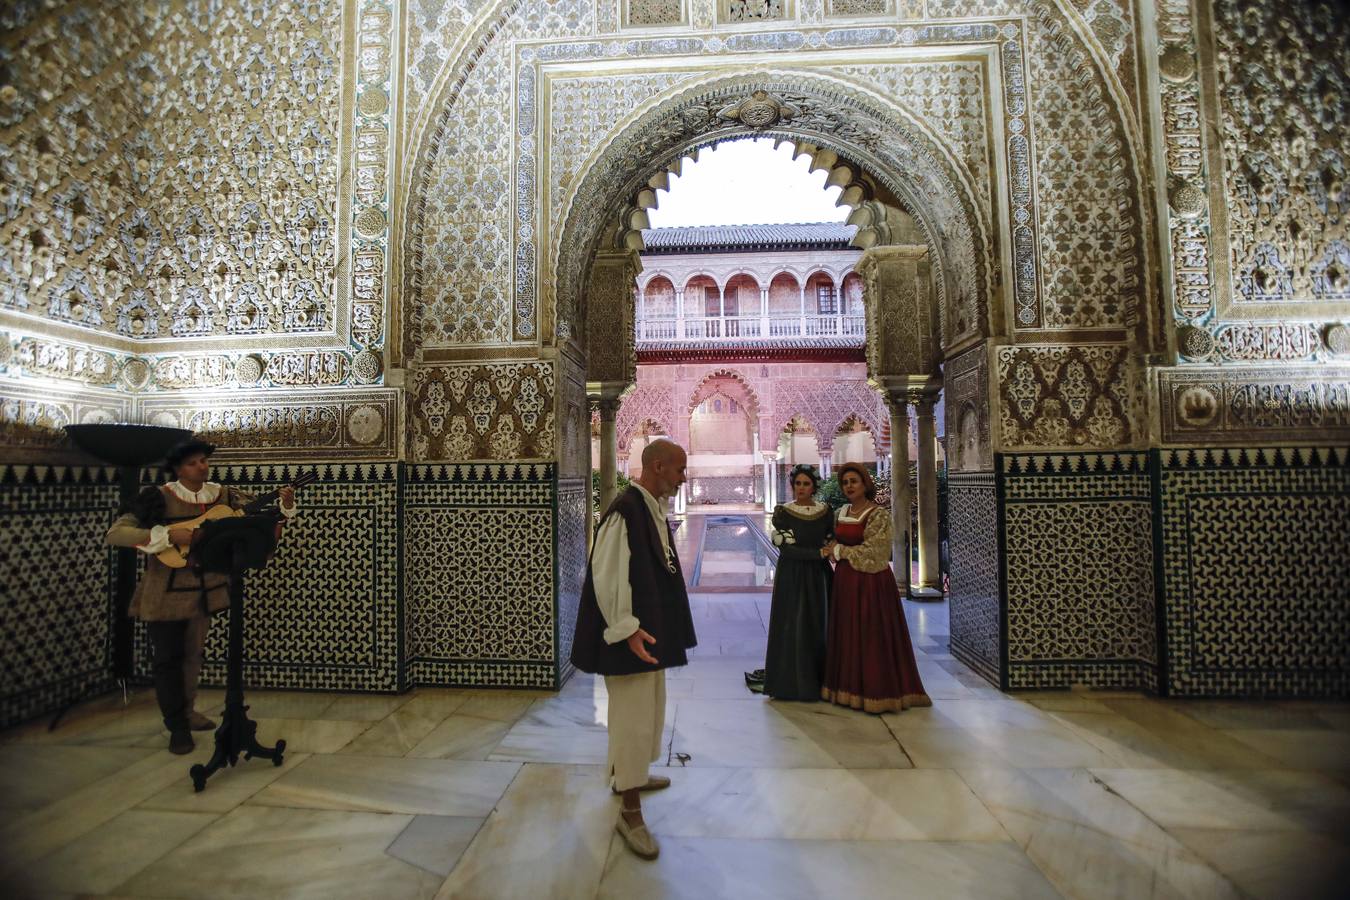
x: 183, y: 449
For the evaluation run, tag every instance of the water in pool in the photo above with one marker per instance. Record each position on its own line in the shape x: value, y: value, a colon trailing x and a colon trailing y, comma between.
x: 734, y: 553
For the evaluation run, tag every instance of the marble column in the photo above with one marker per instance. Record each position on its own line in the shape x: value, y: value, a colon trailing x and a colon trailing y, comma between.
x: 609, y: 455
x: 899, y: 405
x: 930, y: 568
x: 826, y: 461
x: 770, y: 482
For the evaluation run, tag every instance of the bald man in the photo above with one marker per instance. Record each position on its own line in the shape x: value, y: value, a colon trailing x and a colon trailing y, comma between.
x: 633, y: 624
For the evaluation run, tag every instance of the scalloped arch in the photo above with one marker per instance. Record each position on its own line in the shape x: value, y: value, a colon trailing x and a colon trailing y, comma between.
x: 884, y: 141
x: 704, y: 389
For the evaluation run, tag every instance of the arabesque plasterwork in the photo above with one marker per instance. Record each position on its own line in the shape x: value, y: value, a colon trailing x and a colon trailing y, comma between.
x: 1068, y: 397
x: 172, y: 178
x: 836, y: 116
x: 204, y: 198
x: 483, y: 411
x: 1256, y: 206
x: 528, y: 278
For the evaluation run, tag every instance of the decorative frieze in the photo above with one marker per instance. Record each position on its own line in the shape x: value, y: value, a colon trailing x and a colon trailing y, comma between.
x: 23, y: 356
x: 1228, y: 404
x: 1070, y: 397
x: 32, y: 417
x: 483, y: 411
x: 354, y: 424
x: 370, y: 188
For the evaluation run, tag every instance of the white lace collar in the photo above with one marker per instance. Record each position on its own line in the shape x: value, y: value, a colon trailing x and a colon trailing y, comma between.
x: 811, y: 509
x: 209, y: 493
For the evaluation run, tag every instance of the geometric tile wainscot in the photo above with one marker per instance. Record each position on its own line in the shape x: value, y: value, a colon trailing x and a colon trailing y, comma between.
x: 480, y: 584
x: 1256, y: 571
x: 1197, y: 572
x: 974, y: 597
x: 1078, y: 571
x: 395, y: 575
x: 56, y: 586
x: 325, y: 613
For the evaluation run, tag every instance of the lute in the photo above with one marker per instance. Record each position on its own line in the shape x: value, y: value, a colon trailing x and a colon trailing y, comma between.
x: 176, y: 557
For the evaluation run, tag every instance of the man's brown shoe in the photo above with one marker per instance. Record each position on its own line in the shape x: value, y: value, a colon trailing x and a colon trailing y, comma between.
x: 199, y: 722
x: 654, y: 783
x: 180, y: 742
x: 641, y: 841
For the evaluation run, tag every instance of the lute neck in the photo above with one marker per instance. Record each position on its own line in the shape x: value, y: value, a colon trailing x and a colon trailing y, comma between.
x: 260, y: 503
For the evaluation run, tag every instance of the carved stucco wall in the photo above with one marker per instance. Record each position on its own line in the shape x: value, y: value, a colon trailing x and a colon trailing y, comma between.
x: 824, y: 396
x: 257, y: 110
x: 175, y: 218
x: 1258, y: 251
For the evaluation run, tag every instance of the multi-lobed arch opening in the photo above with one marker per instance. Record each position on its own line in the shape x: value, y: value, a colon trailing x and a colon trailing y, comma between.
x: 902, y: 185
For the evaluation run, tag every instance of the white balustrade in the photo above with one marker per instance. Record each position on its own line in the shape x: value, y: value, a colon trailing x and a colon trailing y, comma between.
x: 739, y: 328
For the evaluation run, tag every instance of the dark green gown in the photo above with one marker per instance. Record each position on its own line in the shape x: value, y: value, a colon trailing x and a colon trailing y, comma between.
x: 795, y: 661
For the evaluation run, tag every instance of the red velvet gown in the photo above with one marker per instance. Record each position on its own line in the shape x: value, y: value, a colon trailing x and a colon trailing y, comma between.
x: 869, y: 661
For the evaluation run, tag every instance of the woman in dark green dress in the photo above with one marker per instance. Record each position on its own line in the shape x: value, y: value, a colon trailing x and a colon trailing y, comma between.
x: 795, y: 661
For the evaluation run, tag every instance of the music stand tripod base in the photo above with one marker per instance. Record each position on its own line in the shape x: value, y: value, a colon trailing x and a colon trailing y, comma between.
x: 232, y: 546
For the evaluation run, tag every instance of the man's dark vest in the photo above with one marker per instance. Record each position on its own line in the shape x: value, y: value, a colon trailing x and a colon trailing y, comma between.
x: 660, y: 602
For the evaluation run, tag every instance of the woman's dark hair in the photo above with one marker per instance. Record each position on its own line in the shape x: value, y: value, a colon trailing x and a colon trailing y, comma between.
x: 147, y: 507
x: 869, y: 486
x: 808, y: 471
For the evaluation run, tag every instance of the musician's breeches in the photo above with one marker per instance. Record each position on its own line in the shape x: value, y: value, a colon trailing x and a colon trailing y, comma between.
x: 169, y: 642
x: 194, y: 647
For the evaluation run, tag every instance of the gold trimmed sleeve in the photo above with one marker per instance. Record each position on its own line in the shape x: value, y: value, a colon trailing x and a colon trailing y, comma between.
x: 874, y: 553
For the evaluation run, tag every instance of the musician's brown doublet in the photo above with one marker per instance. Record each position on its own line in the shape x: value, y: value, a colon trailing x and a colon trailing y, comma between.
x: 166, y: 594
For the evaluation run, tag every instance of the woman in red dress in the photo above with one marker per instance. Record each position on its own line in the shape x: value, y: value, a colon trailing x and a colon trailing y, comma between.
x: 869, y: 662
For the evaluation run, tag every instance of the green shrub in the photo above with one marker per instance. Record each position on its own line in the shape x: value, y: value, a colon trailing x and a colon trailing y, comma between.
x: 622, y: 482
x: 830, y: 493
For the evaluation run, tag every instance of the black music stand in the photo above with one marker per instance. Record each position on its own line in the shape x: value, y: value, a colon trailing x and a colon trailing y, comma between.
x: 231, y: 546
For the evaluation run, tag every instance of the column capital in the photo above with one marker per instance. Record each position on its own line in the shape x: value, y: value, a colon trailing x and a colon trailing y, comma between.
x: 874, y: 256
x: 906, y: 390
x: 606, y: 396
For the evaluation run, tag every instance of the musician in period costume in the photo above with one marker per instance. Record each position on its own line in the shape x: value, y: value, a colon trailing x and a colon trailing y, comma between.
x: 633, y: 623
x: 869, y: 661
x: 795, y: 660
x: 174, y: 603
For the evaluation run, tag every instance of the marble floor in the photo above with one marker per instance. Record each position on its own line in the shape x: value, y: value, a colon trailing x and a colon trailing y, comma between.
x: 478, y: 794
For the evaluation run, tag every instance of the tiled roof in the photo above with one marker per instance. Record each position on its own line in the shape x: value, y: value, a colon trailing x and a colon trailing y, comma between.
x: 830, y: 235
x: 816, y: 349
